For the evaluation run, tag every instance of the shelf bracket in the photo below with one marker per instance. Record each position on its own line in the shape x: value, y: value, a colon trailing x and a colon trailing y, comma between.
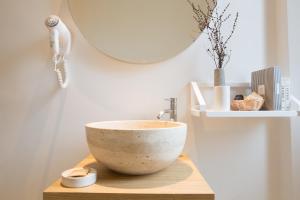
x: 197, y: 100
x: 297, y: 103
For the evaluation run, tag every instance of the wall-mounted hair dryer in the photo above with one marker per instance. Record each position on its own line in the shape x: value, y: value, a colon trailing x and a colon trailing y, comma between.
x: 60, y: 43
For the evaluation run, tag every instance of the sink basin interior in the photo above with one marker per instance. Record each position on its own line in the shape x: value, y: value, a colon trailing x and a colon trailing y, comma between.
x: 135, y: 125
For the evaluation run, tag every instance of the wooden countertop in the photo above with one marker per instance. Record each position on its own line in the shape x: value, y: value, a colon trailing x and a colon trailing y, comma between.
x: 180, y: 181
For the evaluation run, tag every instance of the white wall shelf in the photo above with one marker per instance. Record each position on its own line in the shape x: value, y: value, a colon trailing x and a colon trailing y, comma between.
x: 200, y: 105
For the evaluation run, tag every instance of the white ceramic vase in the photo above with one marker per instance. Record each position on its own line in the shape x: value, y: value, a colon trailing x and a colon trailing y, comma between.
x: 222, y: 98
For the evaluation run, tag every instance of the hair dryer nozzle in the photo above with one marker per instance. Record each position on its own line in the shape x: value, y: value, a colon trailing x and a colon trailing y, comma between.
x: 52, y: 21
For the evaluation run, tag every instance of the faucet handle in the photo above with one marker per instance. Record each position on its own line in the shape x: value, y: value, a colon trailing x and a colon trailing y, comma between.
x: 173, y: 105
x: 172, y: 99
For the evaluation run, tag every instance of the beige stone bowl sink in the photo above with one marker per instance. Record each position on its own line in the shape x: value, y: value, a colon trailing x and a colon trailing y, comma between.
x: 136, y: 147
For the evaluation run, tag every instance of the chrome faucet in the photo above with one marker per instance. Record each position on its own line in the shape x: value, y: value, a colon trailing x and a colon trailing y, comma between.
x: 172, y: 111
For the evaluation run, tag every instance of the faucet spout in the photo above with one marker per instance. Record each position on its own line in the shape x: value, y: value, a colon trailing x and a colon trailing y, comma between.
x: 172, y: 111
x: 162, y: 114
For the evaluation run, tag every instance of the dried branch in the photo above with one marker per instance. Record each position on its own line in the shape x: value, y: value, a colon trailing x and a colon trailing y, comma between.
x: 212, y: 20
x: 233, y: 27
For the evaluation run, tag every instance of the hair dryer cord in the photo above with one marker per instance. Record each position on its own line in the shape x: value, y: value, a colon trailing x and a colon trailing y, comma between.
x: 62, y: 80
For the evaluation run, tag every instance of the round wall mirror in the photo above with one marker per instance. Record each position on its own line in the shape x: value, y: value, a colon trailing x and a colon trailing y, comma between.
x: 137, y: 31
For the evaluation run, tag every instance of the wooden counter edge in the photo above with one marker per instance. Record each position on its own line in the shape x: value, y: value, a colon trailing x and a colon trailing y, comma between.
x: 124, y: 196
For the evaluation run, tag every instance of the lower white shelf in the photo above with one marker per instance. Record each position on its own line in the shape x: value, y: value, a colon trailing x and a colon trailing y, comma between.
x: 199, y: 107
x: 211, y: 113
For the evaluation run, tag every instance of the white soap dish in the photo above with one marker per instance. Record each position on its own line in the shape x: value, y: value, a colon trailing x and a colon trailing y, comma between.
x: 79, y: 177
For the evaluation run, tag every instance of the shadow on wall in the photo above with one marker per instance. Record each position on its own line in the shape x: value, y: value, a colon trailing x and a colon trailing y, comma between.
x: 279, y: 169
x: 270, y: 32
x: 28, y: 88
x: 276, y: 34
x: 32, y: 136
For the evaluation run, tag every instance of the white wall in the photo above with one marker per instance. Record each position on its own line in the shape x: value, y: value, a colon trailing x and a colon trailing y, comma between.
x: 41, y: 126
x: 294, y: 60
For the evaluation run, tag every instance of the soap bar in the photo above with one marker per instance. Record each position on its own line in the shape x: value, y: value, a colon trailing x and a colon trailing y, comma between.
x: 78, y: 172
